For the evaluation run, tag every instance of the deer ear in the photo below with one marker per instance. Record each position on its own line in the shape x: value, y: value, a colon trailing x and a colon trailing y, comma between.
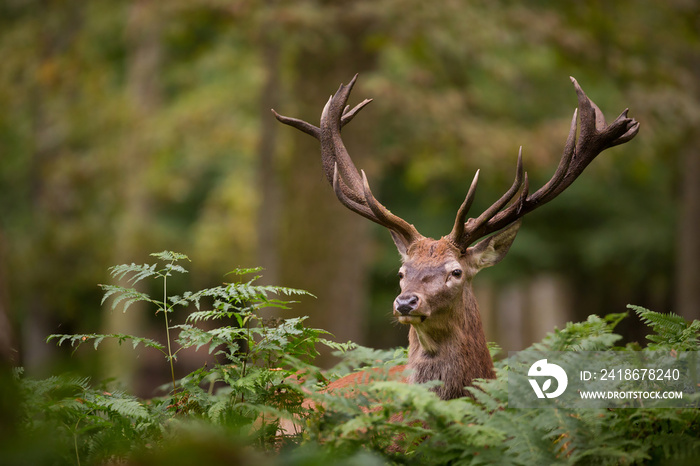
x: 401, y: 245
x: 493, y: 249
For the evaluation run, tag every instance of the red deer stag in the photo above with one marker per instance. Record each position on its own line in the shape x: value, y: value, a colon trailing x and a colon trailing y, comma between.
x: 446, y: 337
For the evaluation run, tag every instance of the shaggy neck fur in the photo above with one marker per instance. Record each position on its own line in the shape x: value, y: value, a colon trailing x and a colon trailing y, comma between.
x: 453, y: 351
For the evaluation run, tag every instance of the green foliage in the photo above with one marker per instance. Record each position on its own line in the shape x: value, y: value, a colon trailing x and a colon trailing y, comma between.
x: 175, y: 163
x: 483, y: 430
x: 264, y: 401
x: 671, y: 331
x: 79, y: 338
x: 81, y: 422
x: 595, y: 334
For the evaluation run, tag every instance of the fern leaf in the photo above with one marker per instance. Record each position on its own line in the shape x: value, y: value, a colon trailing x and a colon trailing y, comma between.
x: 127, y: 407
x: 660, y: 323
x: 174, y: 268
x: 247, y: 271
x: 109, y: 291
x: 147, y: 272
x: 169, y: 256
x: 216, y: 410
x: 98, y: 340
x: 670, y: 330
x: 127, y: 295
x: 139, y: 272
x: 78, y: 339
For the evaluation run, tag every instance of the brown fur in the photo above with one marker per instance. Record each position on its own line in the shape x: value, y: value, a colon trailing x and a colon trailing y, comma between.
x: 446, y: 339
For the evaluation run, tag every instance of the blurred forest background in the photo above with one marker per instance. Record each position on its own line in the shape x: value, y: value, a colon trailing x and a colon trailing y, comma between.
x: 129, y: 127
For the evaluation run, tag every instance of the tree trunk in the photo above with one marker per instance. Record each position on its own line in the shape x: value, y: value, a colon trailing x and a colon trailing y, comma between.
x: 510, y: 309
x: 549, y: 307
x: 688, y: 248
x: 6, y: 333
x: 269, y: 208
x: 325, y: 246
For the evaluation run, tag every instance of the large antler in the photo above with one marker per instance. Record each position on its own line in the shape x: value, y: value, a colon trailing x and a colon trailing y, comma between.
x: 350, y: 185
x: 595, y: 136
x: 353, y: 191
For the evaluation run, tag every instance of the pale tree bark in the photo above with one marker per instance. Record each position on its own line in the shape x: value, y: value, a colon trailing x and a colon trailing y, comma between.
x: 549, y: 307
x: 143, y: 36
x: 511, y: 323
x: 688, y: 247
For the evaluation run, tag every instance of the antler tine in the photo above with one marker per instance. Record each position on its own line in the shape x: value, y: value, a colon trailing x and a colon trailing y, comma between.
x: 506, y: 198
x: 458, y: 228
x: 630, y: 133
x: 594, y: 137
x: 357, y: 207
x: 315, y: 131
x: 301, y: 125
x: 331, y: 140
x: 349, y: 115
x: 543, y: 194
x: 473, y: 227
x: 351, y: 187
x: 384, y: 217
x: 373, y: 210
x: 328, y: 156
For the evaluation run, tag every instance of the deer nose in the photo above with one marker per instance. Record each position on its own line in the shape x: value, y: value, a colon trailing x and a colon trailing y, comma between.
x: 405, y: 303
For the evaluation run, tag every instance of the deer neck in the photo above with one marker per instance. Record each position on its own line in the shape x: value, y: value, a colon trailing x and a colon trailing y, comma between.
x: 453, y: 352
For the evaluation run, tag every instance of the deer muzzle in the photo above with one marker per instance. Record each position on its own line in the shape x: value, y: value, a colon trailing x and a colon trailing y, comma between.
x: 406, y: 306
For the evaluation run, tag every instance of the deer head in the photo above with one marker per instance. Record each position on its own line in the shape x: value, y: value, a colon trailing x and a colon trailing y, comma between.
x: 446, y: 339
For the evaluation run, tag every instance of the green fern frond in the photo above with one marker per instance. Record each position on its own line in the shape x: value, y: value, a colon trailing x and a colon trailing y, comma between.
x: 668, y: 323
x: 76, y: 340
x: 195, y: 337
x: 170, y: 256
x: 595, y: 334
x: 128, y: 296
x: 174, y: 268
x: 70, y: 385
x: 244, y: 271
x: 201, y: 316
x: 139, y: 271
x: 237, y: 298
x: 670, y: 330
x: 340, y: 348
x: 124, y: 406
x: 247, y: 291
x: 110, y: 290
x: 216, y: 411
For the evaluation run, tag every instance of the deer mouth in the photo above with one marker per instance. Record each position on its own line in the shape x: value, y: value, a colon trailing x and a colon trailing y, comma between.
x: 412, y: 320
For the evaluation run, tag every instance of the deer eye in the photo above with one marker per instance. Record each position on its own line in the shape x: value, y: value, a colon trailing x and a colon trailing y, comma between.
x: 457, y: 273
x: 401, y: 275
